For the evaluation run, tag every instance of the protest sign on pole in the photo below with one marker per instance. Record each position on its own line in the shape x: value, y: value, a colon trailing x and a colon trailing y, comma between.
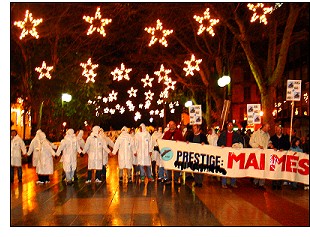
x: 293, y: 93
x: 195, y: 114
x: 253, y: 113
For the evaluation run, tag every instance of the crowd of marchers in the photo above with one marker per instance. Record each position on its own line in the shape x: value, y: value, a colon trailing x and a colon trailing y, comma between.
x: 138, y: 152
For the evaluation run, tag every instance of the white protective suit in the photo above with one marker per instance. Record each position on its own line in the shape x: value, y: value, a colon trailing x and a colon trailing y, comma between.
x: 70, y: 147
x: 212, y: 138
x: 125, y: 146
x: 143, y: 145
x: 34, y: 148
x: 80, y: 139
x: 155, y: 154
x: 17, y: 148
x: 45, y: 164
x: 109, y: 142
x: 95, y: 146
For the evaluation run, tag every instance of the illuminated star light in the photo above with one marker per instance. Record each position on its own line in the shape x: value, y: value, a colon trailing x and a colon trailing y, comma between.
x: 122, y: 110
x: 97, y: 23
x: 147, y: 104
x: 211, y: 22
x: 113, y: 96
x: 118, y: 106
x: 112, y: 111
x: 104, y: 99
x: 162, y: 73
x: 162, y: 113
x: 147, y: 81
x: 44, y: 71
x: 88, y: 71
x: 164, y: 94
x: 156, y: 112
x: 132, y: 92
x: 172, y: 110
x: 106, y: 110
x: 152, y: 112
x: 158, y: 31
x: 137, y: 115
x: 140, y: 106
x: 263, y: 11
x: 28, y: 25
x: 159, y: 101
x: 148, y: 95
x: 119, y: 74
x: 192, y: 65
x: 170, y: 84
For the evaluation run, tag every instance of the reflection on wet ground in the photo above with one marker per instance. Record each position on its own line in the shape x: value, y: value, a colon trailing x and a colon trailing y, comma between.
x: 112, y: 203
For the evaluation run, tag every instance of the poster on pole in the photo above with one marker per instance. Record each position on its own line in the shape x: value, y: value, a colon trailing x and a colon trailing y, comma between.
x: 253, y: 113
x: 195, y: 114
x: 293, y: 90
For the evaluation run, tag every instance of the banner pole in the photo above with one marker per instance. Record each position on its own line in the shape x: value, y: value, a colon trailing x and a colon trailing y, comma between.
x: 291, y: 124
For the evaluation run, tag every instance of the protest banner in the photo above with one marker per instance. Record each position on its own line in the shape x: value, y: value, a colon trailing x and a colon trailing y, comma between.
x: 235, y: 162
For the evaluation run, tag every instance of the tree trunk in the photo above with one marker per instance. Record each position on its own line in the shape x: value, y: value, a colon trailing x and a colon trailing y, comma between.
x: 268, y: 101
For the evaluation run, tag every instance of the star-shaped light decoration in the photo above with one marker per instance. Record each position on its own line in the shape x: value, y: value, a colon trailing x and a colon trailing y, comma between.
x: 192, y: 65
x: 164, y: 94
x: 104, y: 99
x: 132, y: 92
x: 162, y: 113
x: 151, y: 112
x: 97, y: 24
x: 28, y: 25
x: 44, y: 71
x: 169, y: 84
x: 149, y: 95
x: 159, y: 101
x: 88, y: 71
x: 112, y: 111
x: 158, y: 33
x: 106, y: 110
x: 162, y: 73
x: 140, y: 106
x: 119, y: 74
x: 122, y: 110
x: 147, y: 81
x: 137, y: 115
x: 209, y: 23
x: 156, y: 112
x: 147, y: 104
x: 259, y: 12
x: 118, y: 106
x: 112, y: 96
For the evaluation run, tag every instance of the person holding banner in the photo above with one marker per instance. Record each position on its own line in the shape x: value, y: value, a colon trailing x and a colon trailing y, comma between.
x: 280, y: 142
x: 176, y: 135
x: 261, y: 139
x: 197, y: 136
x: 230, y: 138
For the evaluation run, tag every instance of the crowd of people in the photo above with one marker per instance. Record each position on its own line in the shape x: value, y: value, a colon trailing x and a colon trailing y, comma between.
x: 138, y: 152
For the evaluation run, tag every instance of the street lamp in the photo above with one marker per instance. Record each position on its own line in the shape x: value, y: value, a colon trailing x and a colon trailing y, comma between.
x: 65, y: 97
x: 188, y: 103
x: 224, y: 81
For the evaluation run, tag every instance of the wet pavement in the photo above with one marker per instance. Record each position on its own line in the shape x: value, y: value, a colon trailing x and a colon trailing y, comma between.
x: 112, y: 203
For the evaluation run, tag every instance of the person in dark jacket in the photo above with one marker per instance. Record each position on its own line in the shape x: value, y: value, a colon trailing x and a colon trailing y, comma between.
x: 280, y: 142
x: 227, y: 139
x: 197, y: 136
x: 176, y: 135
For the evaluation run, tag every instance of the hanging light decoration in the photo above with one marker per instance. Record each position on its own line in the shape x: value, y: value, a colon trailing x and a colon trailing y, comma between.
x: 112, y: 96
x: 147, y: 81
x: 44, y: 71
x: 259, y: 12
x: 132, y: 92
x: 28, y: 25
x: 88, y: 71
x: 162, y: 73
x: 192, y: 65
x: 97, y: 24
x: 158, y: 33
x: 148, y: 95
x: 208, y: 21
x: 119, y: 74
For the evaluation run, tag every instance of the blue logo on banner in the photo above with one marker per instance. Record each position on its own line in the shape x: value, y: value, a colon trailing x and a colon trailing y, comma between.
x: 166, y: 153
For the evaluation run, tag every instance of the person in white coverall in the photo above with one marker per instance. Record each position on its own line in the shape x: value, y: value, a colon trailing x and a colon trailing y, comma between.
x: 69, y: 147
x: 95, y: 146
x: 125, y: 147
x: 17, y: 149
x: 156, y: 157
x: 143, y: 146
x: 45, y: 164
x: 34, y: 148
x: 105, y: 157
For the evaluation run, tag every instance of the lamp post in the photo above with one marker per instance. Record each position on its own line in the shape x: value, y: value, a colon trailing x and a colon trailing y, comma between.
x: 224, y: 81
x: 65, y: 97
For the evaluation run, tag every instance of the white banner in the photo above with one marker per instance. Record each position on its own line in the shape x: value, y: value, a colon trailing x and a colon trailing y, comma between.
x: 235, y: 162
